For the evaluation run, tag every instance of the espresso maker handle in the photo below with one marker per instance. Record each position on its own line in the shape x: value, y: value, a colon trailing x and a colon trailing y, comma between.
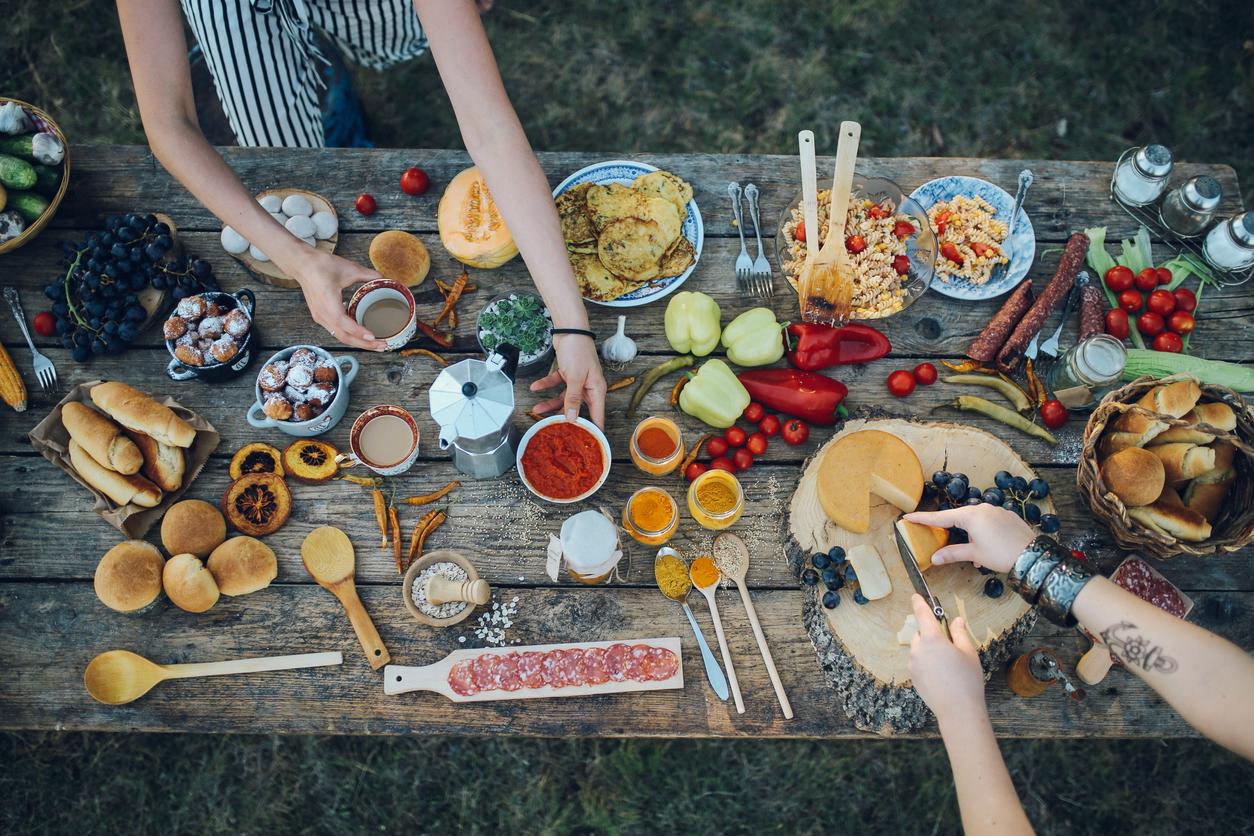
x: 509, y: 359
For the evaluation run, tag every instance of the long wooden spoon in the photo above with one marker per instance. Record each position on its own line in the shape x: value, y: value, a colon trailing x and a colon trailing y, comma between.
x: 829, y: 288
x: 328, y: 555
x: 119, y: 676
x: 809, y: 211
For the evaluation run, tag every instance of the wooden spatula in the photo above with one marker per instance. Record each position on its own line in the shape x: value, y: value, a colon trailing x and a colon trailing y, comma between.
x: 828, y: 291
x: 328, y: 555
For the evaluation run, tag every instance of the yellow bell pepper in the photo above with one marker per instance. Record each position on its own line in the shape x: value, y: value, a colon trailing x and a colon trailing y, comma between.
x: 692, y: 323
x: 714, y: 395
x: 754, y: 338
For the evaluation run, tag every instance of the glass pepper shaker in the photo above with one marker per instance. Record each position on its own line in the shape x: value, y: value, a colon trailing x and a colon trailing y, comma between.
x: 1087, y: 370
x: 1189, y: 208
x: 1141, y: 176
x: 1230, y: 244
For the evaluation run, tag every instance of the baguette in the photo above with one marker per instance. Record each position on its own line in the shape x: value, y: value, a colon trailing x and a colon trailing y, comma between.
x: 1217, y: 415
x: 1169, y: 516
x: 163, y: 464
x: 121, y: 490
x: 101, y: 438
x: 139, y: 412
x: 1182, y: 461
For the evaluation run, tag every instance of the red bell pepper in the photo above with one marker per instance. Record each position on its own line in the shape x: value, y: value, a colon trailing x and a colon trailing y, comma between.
x: 810, y: 396
x: 821, y: 346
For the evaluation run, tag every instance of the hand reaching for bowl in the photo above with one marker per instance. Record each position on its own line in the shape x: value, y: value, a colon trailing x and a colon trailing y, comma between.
x: 996, y: 536
x: 322, y: 277
x: 579, y: 366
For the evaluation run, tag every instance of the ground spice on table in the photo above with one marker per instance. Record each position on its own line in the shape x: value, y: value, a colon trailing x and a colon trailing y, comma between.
x: 651, y: 510
x: 563, y: 460
x: 656, y: 443
x: 672, y: 576
x: 716, y: 497
x: 704, y: 572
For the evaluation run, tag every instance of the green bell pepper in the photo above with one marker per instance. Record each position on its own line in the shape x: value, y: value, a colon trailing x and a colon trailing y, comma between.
x: 691, y: 323
x: 714, y: 395
x: 754, y: 338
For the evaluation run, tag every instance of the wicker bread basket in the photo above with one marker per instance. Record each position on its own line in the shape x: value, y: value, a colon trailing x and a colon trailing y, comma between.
x: 44, y: 123
x: 1233, y: 529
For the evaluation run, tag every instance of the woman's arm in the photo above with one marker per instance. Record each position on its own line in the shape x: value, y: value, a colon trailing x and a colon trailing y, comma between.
x: 496, y: 142
x: 157, y: 51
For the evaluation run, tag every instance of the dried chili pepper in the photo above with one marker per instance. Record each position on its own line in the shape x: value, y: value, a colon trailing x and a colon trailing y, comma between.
x: 424, y: 352
x: 1035, y: 387
x: 435, y: 523
x: 416, y: 538
x: 693, y: 453
x: 364, y: 481
x: 534, y: 416
x: 381, y: 516
x: 445, y: 287
x: 676, y: 389
x: 396, y: 537
x: 430, y: 332
x: 427, y: 498
x: 653, y: 375
x: 621, y: 383
x: 968, y: 366
x: 454, y: 293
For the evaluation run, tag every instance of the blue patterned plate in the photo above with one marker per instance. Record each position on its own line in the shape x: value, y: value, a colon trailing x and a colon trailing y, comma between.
x: 624, y: 172
x: 1021, y: 246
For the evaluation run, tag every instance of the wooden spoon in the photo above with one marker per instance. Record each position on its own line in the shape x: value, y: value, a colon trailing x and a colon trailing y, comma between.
x: 809, y: 210
x: 829, y: 288
x: 328, y: 555
x: 708, y: 592
x: 732, y: 557
x: 117, y: 677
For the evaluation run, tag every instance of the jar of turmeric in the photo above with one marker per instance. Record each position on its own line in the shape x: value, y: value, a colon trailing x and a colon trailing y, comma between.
x: 715, y: 499
x: 657, y: 447
x: 651, y: 516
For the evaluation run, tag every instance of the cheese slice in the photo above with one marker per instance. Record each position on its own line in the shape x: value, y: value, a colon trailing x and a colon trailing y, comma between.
x: 924, y: 541
x: 908, y: 628
x: 872, y: 577
x: 864, y: 464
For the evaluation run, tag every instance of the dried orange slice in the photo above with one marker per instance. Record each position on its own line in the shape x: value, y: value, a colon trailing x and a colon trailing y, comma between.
x: 257, y: 504
x: 310, y: 461
x: 257, y: 457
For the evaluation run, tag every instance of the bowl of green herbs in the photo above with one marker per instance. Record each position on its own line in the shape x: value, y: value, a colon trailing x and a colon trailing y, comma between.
x: 520, y: 319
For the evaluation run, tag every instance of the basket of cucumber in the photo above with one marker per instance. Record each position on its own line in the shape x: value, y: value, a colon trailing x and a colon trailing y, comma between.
x: 34, y: 171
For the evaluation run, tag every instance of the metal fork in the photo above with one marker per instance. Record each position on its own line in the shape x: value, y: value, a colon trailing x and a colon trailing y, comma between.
x: 1050, y: 346
x: 1025, y: 180
x: 744, y: 264
x: 762, y: 284
x: 45, y: 372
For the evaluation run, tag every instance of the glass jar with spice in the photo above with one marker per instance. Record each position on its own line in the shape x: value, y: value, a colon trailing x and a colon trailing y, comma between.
x: 651, y: 516
x: 657, y: 447
x: 1188, y: 209
x: 1141, y: 175
x: 715, y: 499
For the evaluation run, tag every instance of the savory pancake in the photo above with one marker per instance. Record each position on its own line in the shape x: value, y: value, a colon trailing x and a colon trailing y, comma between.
x: 632, y: 248
x: 572, y: 212
x: 680, y: 257
x: 668, y: 187
x: 597, y: 283
x: 614, y: 202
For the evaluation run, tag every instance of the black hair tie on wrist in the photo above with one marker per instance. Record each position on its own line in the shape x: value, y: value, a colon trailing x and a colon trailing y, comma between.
x: 578, y: 331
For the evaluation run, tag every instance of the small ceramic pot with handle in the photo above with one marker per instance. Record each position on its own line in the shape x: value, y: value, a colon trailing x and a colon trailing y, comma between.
x: 215, y: 372
x: 345, y: 369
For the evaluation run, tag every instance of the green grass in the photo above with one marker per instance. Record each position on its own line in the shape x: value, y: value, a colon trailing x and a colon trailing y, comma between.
x: 1039, y: 79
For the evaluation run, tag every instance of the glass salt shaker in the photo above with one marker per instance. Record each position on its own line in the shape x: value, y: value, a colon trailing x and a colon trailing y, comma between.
x: 1230, y: 244
x: 1189, y: 208
x: 1141, y: 176
x: 1087, y: 370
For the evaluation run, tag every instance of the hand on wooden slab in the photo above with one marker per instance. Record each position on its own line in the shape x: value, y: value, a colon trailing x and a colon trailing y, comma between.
x: 947, y: 674
x: 322, y: 277
x: 579, y: 366
x: 995, y: 536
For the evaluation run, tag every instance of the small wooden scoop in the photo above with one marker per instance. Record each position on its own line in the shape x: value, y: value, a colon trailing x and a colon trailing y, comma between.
x: 828, y: 290
x: 119, y: 676
x: 328, y: 555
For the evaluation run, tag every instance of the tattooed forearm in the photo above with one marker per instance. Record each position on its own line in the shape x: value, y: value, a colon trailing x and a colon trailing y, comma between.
x: 1135, y: 650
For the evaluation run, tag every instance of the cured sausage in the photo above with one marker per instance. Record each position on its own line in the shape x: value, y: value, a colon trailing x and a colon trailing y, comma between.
x: 616, y: 662
x: 461, y: 678
x: 507, y: 673
x: 1092, y: 315
x: 993, y: 337
x: 529, y: 669
x: 562, y: 668
x: 662, y: 664
x: 1036, y: 317
x: 594, y: 666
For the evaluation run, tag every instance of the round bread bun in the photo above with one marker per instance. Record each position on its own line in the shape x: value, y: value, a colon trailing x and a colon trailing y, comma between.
x: 189, y: 584
x: 242, y: 565
x: 128, y: 577
x: 399, y: 256
x: 1135, y: 475
x: 192, y: 526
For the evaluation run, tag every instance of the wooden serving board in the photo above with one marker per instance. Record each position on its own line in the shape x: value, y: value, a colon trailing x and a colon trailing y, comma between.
x: 400, y: 679
x: 857, y: 645
x: 266, y: 271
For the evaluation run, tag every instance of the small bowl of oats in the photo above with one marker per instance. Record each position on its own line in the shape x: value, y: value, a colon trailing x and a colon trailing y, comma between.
x: 887, y: 236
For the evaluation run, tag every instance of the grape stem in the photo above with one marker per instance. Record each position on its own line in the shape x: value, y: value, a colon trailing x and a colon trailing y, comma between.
x: 69, y: 299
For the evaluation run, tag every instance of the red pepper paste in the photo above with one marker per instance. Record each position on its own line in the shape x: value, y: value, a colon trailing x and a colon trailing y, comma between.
x: 563, y: 460
x: 656, y: 443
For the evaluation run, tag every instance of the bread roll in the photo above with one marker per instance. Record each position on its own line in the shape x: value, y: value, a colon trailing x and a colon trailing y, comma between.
x: 194, y: 527
x: 137, y: 411
x: 163, y: 464
x: 1217, y: 415
x: 1207, y: 493
x: 1183, y: 461
x: 102, y: 438
x: 128, y: 577
x: 242, y: 565
x: 1135, y: 475
x: 1112, y: 442
x: 1174, y: 399
x: 189, y: 584
x: 121, y: 490
x: 1169, y: 516
x: 401, y: 257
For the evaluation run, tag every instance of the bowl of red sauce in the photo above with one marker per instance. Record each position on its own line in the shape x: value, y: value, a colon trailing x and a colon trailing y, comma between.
x: 563, y: 461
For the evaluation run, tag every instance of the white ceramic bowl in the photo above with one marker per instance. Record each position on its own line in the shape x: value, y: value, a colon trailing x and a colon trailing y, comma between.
x: 587, y: 425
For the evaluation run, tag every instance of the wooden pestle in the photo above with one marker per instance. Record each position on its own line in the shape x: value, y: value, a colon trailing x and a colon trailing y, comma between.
x: 441, y: 590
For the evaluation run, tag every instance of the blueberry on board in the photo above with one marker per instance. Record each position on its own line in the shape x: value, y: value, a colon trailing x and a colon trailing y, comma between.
x: 809, y: 577
x: 1038, y: 488
x: 832, y: 578
x: 994, y: 496
x: 993, y: 587
x: 821, y: 560
x: 1003, y: 479
x: 940, y: 478
x: 1032, y: 512
x: 859, y: 598
x: 836, y: 553
x: 1050, y: 523
x: 850, y: 574
x: 973, y: 500
x: 831, y: 599
x: 1019, y: 484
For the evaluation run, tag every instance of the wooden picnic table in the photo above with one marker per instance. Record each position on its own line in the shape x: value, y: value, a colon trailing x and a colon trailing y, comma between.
x: 51, y: 623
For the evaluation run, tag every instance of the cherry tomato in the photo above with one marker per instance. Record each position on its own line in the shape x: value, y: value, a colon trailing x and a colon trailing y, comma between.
x: 900, y: 383
x: 1150, y: 324
x: 795, y: 431
x: 365, y: 204
x: 753, y: 412
x: 1053, y: 414
x: 735, y: 436
x: 1130, y: 301
x: 1147, y: 279
x: 1164, y: 275
x: 769, y: 425
x: 723, y: 463
x: 1079, y: 555
x: 45, y: 324
x: 855, y: 244
x: 799, y: 232
x: 1161, y: 302
x: 1117, y: 323
x: 1119, y: 278
x: 901, y: 264
x: 716, y: 447
x: 1168, y: 341
x: 1181, y: 322
x: 1185, y: 300
x: 743, y: 459
x: 695, y: 469
x: 877, y: 212
x: 903, y: 229
x: 925, y: 374
x: 756, y: 443
x: 950, y: 251
x: 415, y: 181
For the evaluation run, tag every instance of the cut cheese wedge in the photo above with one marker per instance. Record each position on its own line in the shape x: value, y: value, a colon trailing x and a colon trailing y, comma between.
x: 872, y: 577
x: 908, y: 628
x: 924, y: 541
x: 864, y: 464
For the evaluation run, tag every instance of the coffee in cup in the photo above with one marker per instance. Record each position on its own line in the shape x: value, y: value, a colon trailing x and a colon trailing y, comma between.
x: 385, y: 439
x: 386, y: 309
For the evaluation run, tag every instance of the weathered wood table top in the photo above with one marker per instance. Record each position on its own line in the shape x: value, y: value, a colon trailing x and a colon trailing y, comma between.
x: 51, y: 623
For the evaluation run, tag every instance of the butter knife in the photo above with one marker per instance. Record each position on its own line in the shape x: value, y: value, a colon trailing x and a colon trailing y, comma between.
x: 916, y: 577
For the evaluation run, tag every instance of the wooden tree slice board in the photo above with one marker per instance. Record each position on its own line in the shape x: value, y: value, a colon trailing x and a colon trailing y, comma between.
x: 857, y: 645
x: 266, y: 271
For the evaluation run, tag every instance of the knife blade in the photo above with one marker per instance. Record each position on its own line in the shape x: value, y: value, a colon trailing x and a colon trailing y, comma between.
x: 916, y: 577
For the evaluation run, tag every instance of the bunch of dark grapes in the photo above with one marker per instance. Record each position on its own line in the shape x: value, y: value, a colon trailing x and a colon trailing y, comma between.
x: 96, y: 303
x: 1014, y: 493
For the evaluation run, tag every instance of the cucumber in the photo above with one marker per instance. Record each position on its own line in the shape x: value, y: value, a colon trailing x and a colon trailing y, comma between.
x: 19, y: 146
x: 15, y: 173
x: 28, y: 204
x: 47, y: 179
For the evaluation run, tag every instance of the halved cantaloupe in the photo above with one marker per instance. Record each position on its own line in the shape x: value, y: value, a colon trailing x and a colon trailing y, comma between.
x: 471, y: 228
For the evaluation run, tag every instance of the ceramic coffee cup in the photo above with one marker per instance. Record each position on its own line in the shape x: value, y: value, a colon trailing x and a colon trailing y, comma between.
x: 379, y: 290
x: 213, y: 371
x: 357, y: 456
x: 346, y: 369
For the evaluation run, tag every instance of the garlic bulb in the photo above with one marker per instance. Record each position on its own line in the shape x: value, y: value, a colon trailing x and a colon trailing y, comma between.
x: 619, y: 349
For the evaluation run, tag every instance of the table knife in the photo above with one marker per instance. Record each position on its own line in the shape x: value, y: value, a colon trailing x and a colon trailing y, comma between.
x: 916, y: 577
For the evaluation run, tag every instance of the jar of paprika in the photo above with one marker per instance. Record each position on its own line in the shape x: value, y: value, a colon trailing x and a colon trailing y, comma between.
x: 657, y: 447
